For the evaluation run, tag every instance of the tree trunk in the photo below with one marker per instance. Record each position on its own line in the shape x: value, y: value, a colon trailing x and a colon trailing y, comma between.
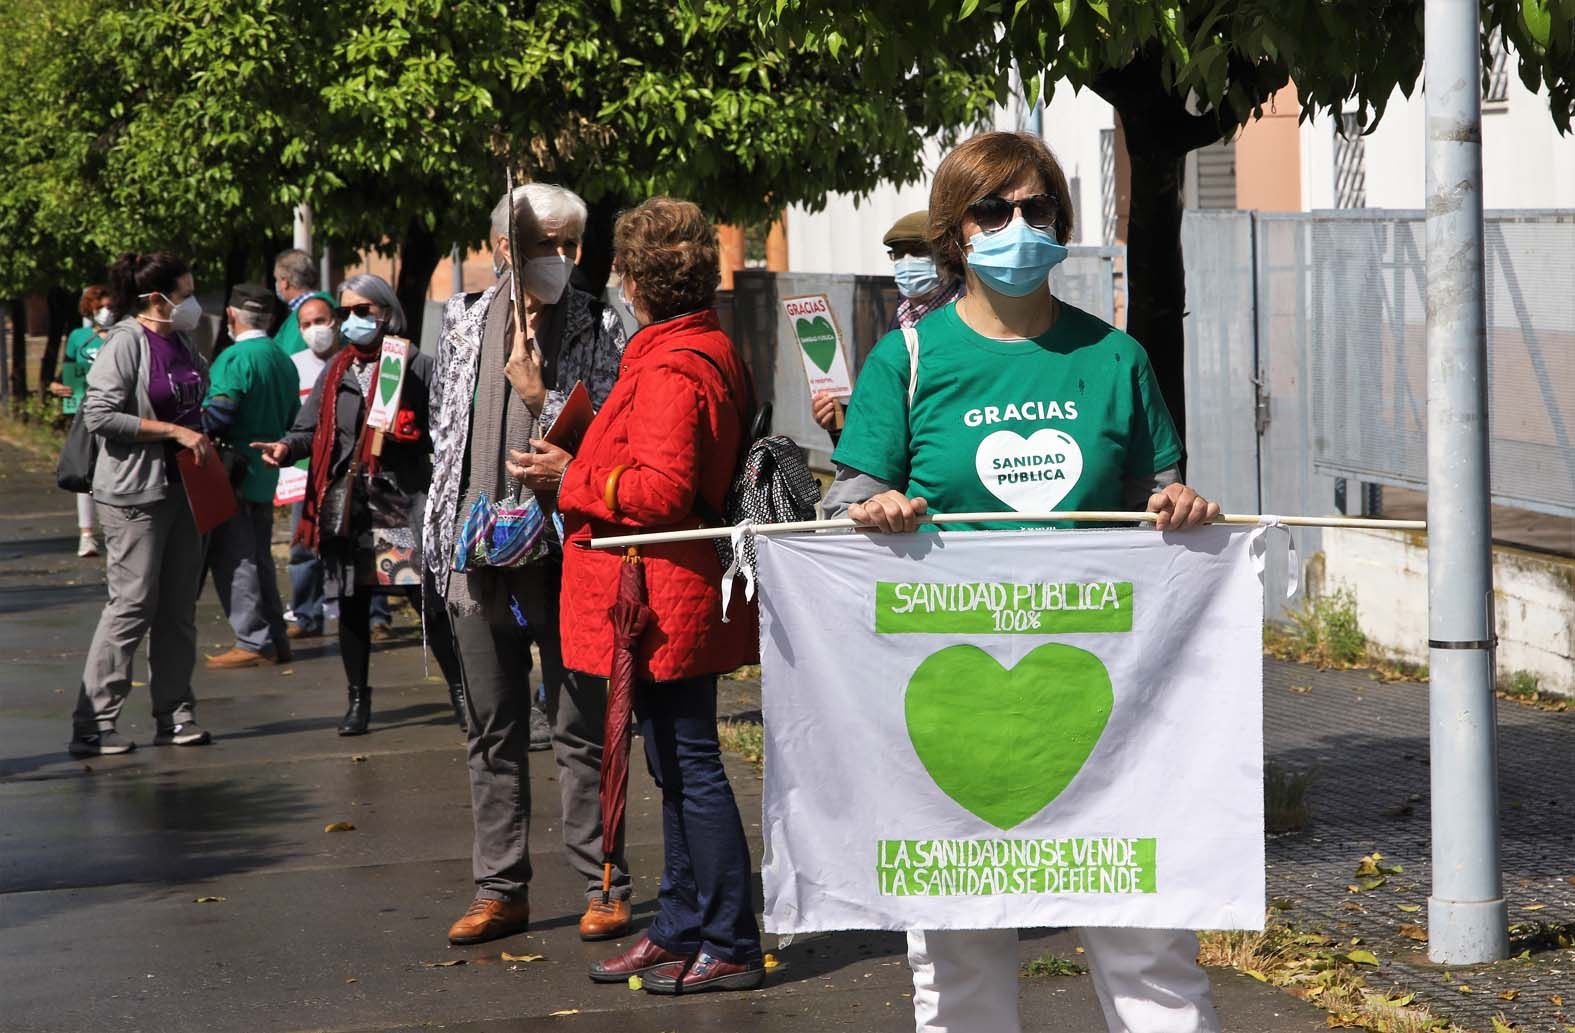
x: 1156, y: 276
x: 418, y: 260
x: 18, y: 349
x: 62, y: 319
x: 596, y: 252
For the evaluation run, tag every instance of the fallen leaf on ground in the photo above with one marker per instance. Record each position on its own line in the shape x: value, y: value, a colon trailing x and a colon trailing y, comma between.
x: 636, y: 983
x: 565, y: 1011
x: 359, y: 758
x: 352, y: 979
x: 771, y: 961
x: 1500, y: 1026
x: 1465, y: 989
x: 286, y: 672
x: 1301, y: 688
x: 1255, y: 974
x: 1412, y: 931
x: 1533, y: 907
x: 1508, y: 995
x: 1558, y: 1000
x: 1360, y: 957
x: 211, y: 900
x: 521, y: 957
x: 443, y: 964
x: 339, y: 826
x: 1410, y: 909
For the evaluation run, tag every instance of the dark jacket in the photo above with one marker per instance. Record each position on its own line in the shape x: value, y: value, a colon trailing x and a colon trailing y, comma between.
x: 407, y: 462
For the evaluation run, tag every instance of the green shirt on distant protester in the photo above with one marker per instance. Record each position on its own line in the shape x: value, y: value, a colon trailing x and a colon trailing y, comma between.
x: 264, y: 385
x: 81, y: 349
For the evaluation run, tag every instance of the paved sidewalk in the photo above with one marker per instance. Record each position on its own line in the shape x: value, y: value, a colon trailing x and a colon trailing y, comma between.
x: 102, y: 863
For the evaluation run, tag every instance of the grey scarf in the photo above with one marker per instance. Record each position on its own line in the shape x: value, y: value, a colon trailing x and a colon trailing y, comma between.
x: 500, y: 422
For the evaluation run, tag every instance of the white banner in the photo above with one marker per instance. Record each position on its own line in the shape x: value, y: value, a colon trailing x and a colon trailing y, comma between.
x: 977, y: 730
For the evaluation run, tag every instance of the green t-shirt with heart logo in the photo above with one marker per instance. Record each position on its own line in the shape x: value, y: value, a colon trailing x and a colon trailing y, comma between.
x: 1058, y: 422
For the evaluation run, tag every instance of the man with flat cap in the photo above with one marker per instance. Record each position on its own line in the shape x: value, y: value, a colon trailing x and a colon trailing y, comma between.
x: 921, y: 285
x: 253, y: 396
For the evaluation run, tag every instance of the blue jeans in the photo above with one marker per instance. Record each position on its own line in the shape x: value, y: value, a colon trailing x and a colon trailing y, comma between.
x: 706, y: 898
x: 306, y: 579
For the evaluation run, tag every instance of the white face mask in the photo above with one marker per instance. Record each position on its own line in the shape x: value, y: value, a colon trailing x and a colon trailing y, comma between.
x: 321, y: 338
x: 103, y: 317
x: 184, y: 316
x: 545, y: 278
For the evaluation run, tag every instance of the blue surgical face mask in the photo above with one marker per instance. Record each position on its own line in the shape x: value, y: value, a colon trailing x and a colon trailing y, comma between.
x: 1016, y: 260
x: 360, y: 329
x: 916, y: 276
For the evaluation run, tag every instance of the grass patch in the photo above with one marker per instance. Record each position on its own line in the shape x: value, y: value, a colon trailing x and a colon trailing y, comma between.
x: 1285, y: 807
x: 745, y: 738
x: 35, y: 424
x: 1316, y: 969
x: 1049, y: 965
x: 1525, y: 687
x: 1327, y: 633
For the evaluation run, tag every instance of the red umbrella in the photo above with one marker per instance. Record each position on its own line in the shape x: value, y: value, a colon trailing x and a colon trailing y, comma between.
x: 630, y: 615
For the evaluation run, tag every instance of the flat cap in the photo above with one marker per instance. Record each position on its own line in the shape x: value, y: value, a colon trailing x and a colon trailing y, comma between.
x: 912, y: 226
x: 251, y: 297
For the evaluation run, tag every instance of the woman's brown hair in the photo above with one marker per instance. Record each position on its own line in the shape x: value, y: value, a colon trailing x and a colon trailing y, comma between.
x: 670, y: 251
x: 977, y: 168
x: 93, y: 299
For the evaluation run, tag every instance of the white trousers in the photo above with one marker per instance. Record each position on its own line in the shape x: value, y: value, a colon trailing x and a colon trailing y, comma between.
x: 85, y: 512
x: 1148, y: 980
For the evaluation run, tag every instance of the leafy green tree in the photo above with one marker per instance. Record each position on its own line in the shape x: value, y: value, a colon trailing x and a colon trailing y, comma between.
x: 199, y: 124
x: 1181, y: 74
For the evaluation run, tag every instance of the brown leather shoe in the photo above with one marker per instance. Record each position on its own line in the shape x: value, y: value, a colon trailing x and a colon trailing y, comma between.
x: 643, y: 957
x: 381, y: 633
x: 604, y: 921
x: 299, y: 630
x: 705, y: 973
x: 235, y: 658
x: 490, y: 920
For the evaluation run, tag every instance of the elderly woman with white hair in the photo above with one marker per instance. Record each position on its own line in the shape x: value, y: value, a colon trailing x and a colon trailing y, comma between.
x: 500, y: 387
x: 346, y: 483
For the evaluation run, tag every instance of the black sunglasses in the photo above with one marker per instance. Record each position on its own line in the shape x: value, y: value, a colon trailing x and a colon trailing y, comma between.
x: 993, y: 213
x: 364, y: 310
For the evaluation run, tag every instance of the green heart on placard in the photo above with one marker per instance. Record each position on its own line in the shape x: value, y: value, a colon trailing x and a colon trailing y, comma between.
x: 1001, y: 743
x: 388, y: 377
x: 818, y: 339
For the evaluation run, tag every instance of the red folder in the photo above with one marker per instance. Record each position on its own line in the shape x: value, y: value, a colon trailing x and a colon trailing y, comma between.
x: 208, y: 489
x: 573, y: 420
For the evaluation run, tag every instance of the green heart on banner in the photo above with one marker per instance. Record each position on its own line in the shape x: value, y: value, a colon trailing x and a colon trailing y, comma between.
x: 388, y: 377
x: 818, y: 340
x: 1001, y: 743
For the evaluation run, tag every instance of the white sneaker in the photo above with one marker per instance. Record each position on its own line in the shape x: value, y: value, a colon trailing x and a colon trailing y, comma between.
x: 87, y: 545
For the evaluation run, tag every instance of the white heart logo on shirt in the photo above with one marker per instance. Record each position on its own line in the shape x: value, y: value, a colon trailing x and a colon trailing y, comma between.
x: 1030, y: 474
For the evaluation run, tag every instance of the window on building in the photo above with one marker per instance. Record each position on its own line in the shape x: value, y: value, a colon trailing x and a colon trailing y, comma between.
x: 1350, y: 164
x: 1495, y: 85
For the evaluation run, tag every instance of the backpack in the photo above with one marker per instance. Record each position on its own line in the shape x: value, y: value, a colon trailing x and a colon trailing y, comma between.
x: 772, y: 484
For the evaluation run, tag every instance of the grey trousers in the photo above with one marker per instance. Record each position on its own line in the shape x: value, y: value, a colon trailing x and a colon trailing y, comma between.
x: 155, y: 570
x: 494, y: 653
x: 240, y: 558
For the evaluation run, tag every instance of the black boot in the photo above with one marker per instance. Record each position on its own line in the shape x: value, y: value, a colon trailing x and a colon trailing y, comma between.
x: 359, y: 712
x: 456, y: 696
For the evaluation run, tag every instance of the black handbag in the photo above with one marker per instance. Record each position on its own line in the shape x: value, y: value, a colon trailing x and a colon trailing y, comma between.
x: 74, y: 471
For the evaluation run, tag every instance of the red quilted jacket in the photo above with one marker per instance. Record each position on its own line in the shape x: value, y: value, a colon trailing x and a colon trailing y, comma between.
x: 677, y: 422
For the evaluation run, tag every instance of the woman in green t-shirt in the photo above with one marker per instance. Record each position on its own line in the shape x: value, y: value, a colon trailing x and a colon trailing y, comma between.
x: 1010, y: 400
x: 82, y: 347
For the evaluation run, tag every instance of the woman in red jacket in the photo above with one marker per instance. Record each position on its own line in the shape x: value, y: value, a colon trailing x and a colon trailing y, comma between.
x: 663, y: 446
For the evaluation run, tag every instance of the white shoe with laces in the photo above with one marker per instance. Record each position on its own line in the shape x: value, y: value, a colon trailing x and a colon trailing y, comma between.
x: 87, y: 545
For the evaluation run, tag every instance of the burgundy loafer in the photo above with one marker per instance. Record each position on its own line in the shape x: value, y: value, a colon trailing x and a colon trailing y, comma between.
x: 639, y: 959
x: 706, y: 973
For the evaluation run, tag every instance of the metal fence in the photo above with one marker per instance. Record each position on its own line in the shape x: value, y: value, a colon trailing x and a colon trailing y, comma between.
x: 1306, y: 358
x: 865, y: 308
